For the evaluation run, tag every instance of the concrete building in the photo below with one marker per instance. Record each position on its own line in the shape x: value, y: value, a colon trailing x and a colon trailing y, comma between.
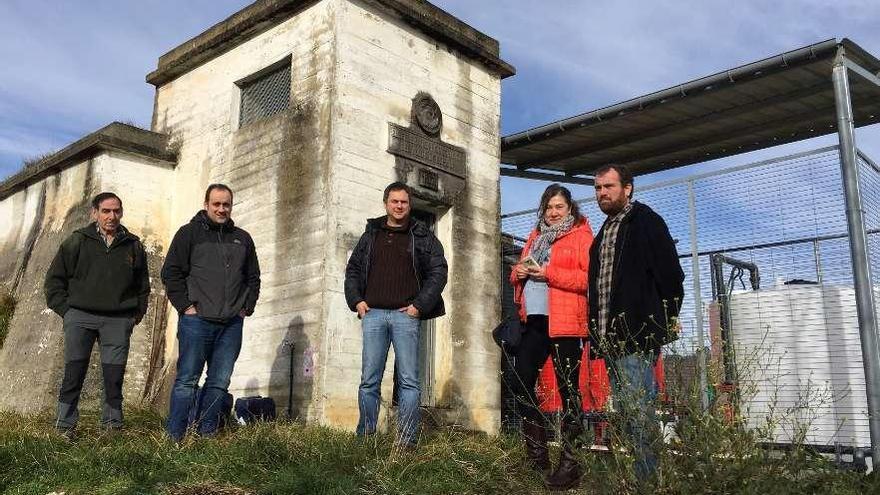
x: 307, y: 109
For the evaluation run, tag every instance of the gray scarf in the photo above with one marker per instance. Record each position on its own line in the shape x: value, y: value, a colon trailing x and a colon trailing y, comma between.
x: 547, y: 235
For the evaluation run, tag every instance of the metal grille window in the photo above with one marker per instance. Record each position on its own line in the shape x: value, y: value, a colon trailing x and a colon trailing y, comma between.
x: 265, y: 94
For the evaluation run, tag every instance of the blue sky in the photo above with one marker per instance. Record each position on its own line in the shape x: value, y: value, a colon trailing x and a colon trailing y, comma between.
x: 71, y: 67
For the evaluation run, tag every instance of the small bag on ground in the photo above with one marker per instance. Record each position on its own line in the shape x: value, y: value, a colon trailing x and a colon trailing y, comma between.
x: 195, y: 411
x: 254, y: 408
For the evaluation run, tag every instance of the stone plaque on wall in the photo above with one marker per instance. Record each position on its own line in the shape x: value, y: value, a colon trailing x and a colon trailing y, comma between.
x: 436, y: 171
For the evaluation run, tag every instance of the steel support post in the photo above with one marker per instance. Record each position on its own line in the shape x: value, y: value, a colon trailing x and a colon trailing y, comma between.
x: 858, y: 250
x: 698, y: 301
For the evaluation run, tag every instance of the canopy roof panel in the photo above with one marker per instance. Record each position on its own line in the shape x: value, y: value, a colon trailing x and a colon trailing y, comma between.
x: 781, y: 99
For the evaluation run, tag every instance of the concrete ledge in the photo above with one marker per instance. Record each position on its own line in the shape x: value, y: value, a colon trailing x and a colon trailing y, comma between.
x: 449, y: 30
x: 116, y: 136
x: 264, y: 14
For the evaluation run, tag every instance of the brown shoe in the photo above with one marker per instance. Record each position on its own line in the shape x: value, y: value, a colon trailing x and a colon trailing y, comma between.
x: 568, y: 473
x: 537, y: 454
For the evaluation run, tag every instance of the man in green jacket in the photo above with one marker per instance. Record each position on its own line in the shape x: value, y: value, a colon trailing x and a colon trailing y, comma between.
x: 99, y: 284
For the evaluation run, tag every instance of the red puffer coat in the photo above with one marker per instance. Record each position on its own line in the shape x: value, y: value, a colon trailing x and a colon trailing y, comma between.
x: 566, y: 279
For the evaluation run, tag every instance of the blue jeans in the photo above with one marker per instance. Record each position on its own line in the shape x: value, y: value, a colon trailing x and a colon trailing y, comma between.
x: 202, y: 342
x: 634, y: 390
x: 381, y: 328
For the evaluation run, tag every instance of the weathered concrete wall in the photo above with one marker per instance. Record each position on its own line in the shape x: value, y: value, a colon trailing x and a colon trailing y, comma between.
x: 278, y: 168
x: 382, y: 64
x: 33, y: 222
x: 305, y: 180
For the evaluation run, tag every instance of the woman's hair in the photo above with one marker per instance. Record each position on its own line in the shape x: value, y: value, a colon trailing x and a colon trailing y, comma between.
x: 558, y: 190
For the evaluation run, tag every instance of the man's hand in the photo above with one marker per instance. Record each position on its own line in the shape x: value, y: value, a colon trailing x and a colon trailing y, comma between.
x: 242, y: 313
x: 520, y: 271
x: 362, y: 309
x: 191, y: 310
x: 410, y: 310
x: 539, y: 274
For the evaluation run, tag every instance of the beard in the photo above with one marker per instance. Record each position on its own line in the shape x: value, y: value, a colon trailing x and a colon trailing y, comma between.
x: 612, y: 207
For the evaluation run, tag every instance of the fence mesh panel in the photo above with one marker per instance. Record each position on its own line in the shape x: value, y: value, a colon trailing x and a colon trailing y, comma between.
x: 788, y: 217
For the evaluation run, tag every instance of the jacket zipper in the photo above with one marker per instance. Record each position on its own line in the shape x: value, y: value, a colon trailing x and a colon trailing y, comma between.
x: 412, y: 239
x: 366, y: 273
x: 225, y: 265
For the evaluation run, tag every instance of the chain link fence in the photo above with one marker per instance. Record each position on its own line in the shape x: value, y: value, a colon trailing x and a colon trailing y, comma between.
x: 786, y: 216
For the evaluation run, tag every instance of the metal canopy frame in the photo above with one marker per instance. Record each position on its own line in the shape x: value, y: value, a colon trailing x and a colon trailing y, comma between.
x: 799, y: 94
x: 777, y: 100
x: 865, y: 307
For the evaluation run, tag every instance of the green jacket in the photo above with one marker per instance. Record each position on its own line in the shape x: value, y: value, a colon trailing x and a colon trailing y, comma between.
x: 88, y: 275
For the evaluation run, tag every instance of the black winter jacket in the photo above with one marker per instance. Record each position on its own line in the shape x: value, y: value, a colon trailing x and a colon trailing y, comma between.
x: 647, y: 287
x: 87, y: 275
x: 428, y: 262
x: 213, y: 266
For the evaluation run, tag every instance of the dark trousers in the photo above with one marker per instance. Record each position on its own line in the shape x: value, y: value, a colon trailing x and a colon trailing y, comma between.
x: 81, y: 330
x: 532, y: 353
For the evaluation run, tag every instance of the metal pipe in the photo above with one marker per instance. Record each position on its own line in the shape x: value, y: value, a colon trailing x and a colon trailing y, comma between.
x: 545, y: 176
x: 865, y: 308
x: 766, y: 245
x: 698, y: 301
x: 291, y: 345
x: 754, y: 274
x: 721, y: 298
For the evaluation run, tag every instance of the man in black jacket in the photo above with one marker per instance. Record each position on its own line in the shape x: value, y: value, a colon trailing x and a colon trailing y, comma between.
x: 212, y: 278
x: 99, y: 284
x: 393, y: 280
x: 635, y: 292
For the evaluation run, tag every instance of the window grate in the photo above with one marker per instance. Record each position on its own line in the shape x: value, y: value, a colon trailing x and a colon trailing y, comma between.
x: 265, y: 96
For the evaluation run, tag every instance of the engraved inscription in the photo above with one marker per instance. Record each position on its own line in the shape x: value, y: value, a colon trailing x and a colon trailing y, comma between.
x: 429, y: 180
x: 442, y: 156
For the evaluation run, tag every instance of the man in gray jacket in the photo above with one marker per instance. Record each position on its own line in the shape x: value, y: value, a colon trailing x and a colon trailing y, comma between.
x: 212, y: 278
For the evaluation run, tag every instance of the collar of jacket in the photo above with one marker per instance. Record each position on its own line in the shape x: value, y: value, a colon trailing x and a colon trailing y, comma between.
x: 636, y: 208
x: 574, y: 228
x: 201, y: 218
x: 415, y: 227
x: 580, y: 225
x: 91, y: 231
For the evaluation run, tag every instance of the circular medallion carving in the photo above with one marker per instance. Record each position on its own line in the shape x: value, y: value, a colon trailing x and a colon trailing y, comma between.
x: 427, y: 114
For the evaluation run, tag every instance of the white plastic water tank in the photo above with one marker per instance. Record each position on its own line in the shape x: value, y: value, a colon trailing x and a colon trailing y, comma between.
x: 799, y: 360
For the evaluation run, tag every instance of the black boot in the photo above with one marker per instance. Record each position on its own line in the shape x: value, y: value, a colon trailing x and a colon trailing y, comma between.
x: 568, y: 473
x: 537, y: 455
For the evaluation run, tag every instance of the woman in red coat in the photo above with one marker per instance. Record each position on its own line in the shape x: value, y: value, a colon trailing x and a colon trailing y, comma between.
x: 550, y: 288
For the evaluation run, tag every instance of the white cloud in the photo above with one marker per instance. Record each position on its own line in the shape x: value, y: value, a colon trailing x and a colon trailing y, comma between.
x: 71, y: 67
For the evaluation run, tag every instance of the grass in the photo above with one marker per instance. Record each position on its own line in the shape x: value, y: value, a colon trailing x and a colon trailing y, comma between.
x: 264, y: 458
x: 290, y: 458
